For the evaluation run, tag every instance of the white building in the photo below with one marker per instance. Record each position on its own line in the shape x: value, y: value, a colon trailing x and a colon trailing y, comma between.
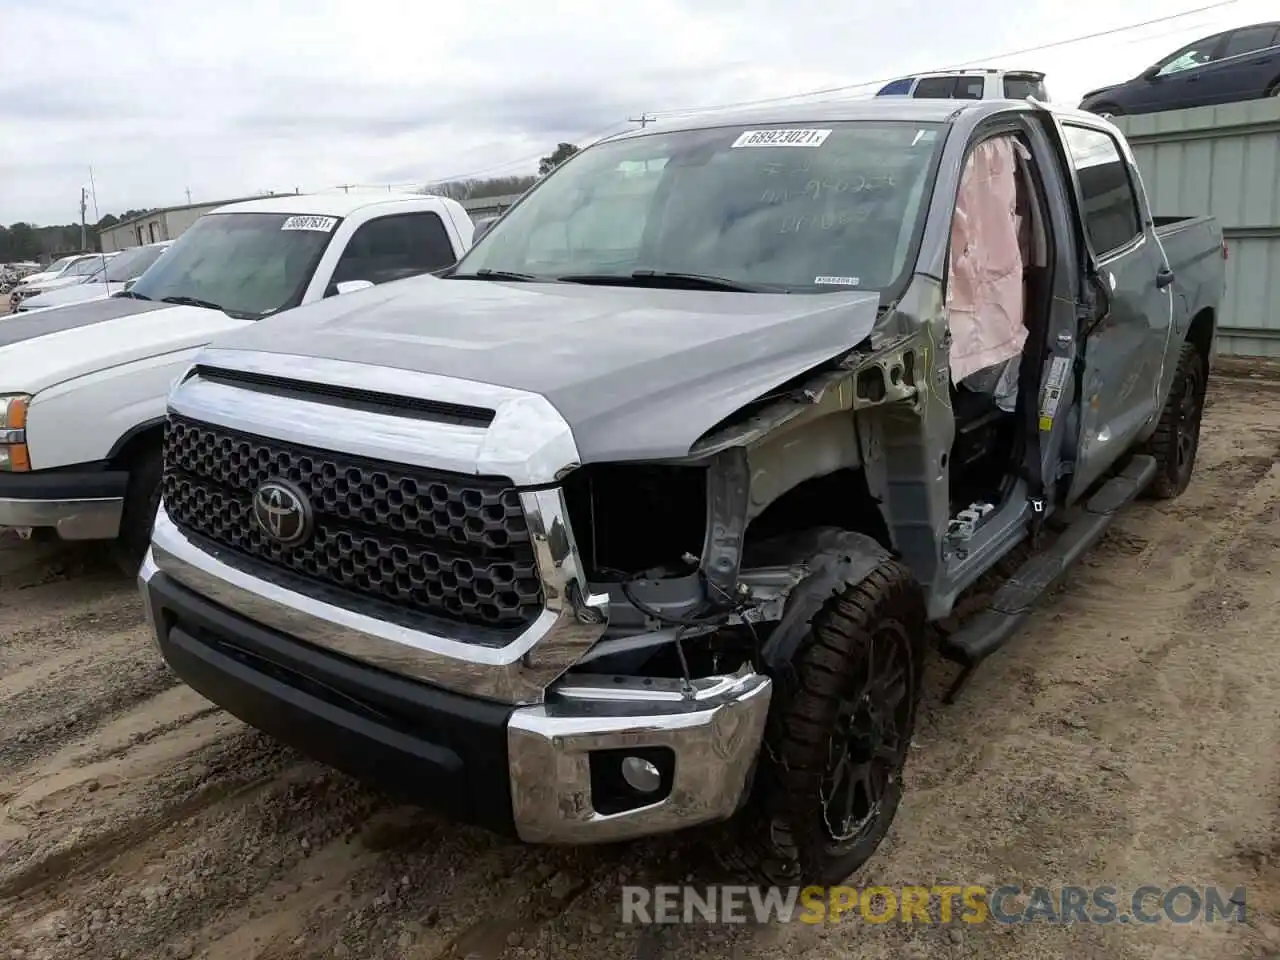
x: 167, y: 223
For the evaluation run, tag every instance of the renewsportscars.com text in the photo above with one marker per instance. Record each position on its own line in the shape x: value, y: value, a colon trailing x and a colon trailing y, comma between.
x: 1008, y: 904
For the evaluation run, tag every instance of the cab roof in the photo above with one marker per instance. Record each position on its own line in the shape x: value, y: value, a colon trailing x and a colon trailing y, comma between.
x: 835, y: 111
x: 320, y: 204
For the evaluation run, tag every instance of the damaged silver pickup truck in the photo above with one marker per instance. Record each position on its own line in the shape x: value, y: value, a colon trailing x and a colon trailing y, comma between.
x: 645, y: 514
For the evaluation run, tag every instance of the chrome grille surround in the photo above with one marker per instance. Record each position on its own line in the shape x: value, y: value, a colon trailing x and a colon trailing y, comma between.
x: 527, y: 441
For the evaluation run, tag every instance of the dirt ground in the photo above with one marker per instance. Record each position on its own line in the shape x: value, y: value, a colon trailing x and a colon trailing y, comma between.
x: 1128, y: 737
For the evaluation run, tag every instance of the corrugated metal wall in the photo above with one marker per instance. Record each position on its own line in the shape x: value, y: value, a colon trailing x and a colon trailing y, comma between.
x: 1224, y: 161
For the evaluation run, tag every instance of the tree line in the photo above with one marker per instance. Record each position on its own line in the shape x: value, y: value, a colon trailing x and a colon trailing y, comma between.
x: 27, y: 241
x: 480, y: 189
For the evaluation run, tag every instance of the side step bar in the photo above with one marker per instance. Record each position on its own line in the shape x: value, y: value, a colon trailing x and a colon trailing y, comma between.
x: 1009, y: 609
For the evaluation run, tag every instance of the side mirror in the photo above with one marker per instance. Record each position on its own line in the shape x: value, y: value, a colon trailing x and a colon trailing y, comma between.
x: 483, y: 227
x: 128, y: 284
x: 1151, y: 74
x: 351, y: 286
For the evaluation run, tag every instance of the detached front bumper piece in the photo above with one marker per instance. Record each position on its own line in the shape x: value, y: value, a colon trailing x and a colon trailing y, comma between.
x: 610, y: 759
x: 602, y: 760
x: 78, y: 505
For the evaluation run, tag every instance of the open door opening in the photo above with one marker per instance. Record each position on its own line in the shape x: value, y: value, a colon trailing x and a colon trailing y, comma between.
x: 998, y: 300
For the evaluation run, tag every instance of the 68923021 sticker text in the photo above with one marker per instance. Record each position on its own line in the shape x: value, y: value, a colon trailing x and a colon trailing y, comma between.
x: 808, y: 137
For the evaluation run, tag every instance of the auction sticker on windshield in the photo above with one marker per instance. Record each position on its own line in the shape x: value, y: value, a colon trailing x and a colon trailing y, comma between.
x: 781, y: 138
x: 323, y: 224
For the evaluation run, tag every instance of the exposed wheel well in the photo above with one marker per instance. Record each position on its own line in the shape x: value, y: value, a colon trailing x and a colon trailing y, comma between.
x: 130, y: 446
x: 839, y: 499
x: 1200, y: 333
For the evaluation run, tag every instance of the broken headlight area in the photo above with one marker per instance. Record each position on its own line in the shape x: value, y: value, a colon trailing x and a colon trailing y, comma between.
x: 642, y: 531
x: 637, y: 519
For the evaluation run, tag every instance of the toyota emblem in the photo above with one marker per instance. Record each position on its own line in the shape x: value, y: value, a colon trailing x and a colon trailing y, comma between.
x: 283, y: 512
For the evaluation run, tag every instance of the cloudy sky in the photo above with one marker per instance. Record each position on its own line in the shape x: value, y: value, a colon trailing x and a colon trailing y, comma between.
x: 238, y: 97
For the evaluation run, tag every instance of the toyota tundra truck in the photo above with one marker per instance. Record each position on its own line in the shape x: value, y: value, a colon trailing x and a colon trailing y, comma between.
x: 648, y: 513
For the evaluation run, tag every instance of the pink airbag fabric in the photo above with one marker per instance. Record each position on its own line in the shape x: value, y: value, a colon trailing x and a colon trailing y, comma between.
x: 984, y: 290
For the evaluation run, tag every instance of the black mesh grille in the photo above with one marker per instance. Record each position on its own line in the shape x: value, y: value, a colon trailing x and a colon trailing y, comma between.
x: 443, y: 544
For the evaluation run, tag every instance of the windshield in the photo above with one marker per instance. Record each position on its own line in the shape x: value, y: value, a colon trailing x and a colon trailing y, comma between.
x: 58, y: 265
x: 809, y: 209
x: 131, y: 263
x: 87, y: 267
x: 247, y: 264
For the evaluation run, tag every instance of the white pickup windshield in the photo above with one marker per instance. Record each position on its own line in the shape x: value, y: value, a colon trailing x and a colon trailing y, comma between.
x: 810, y: 208
x: 130, y: 264
x: 246, y: 264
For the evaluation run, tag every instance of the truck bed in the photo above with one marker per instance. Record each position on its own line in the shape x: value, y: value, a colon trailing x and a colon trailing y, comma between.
x: 1195, y: 251
x: 1188, y: 239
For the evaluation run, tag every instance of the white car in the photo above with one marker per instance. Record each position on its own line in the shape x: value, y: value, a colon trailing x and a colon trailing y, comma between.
x: 128, y: 266
x: 83, y: 387
x: 984, y: 84
x: 54, y: 270
x: 77, y: 271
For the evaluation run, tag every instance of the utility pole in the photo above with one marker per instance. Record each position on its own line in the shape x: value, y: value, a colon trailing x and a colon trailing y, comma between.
x: 84, y: 205
x: 644, y: 120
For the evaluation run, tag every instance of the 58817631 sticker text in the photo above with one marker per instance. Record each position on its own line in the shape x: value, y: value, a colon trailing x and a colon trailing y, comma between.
x: 323, y: 224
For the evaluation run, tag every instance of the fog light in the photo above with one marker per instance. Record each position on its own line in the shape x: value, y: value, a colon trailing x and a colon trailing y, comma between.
x: 640, y: 774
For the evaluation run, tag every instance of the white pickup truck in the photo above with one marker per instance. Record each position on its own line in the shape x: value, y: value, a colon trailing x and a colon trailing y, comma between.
x: 83, y: 387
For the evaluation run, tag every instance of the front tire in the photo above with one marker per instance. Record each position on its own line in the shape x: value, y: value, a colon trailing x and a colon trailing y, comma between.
x: 141, y: 501
x: 1177, y: 438
x: 830, y: 775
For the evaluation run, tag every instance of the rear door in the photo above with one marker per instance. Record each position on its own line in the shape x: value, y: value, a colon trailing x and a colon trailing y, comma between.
x: 1249, y: 62
x: 1124, y: 346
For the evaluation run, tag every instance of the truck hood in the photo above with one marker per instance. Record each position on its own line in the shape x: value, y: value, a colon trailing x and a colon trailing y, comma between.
x: 638, y: 374
x: 38, y: 350
x: 80, y: 293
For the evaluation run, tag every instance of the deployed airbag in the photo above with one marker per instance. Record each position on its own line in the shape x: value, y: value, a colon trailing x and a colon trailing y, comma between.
x: 984, y: 288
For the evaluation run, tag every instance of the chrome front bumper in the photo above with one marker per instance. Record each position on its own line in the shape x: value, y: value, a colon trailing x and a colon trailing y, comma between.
x: 713, y: 733
x: 708, y: 736
x: 97, y: 519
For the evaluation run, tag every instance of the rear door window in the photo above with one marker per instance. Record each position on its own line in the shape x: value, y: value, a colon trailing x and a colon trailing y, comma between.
x: 951, y: 88
x: 936, y: 88
x: 1019, y: 88
x: 1250, y: 40
x: 1109, y: 199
